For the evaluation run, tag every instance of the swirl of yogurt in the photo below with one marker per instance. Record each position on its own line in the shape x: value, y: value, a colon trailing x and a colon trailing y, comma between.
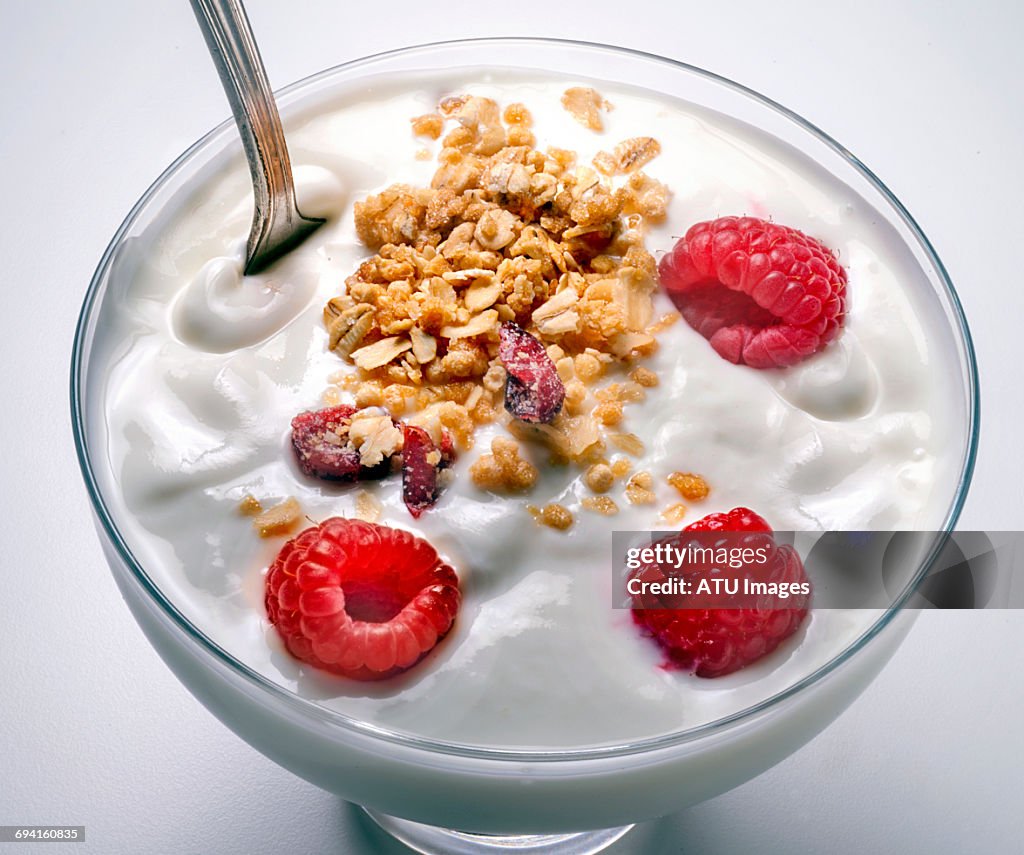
x: 838, y: 384
x: 222, y: 309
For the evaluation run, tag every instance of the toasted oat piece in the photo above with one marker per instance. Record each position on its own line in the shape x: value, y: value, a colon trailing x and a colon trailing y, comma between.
x: 638, y: 489
x: 585, y: 105
x: 349, y: 328
x: 497, y: 227
x: 633, y: 153
x: 279, y: 519
x: 664, y: 322
x: 368, y: 507
x: 575, y: 438
x: 478, y: 325
x: 380, y: 352
x: 558, y: 315
x: 424, y: 345
x: 482, y: 294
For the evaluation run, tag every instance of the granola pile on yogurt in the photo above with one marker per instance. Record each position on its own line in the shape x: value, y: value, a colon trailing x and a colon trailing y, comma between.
x: 506, y: 233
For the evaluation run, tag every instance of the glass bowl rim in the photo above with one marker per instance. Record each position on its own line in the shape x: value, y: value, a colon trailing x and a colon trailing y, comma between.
x: 436, y: 746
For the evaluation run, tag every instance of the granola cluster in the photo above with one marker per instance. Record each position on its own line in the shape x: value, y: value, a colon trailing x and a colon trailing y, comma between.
x: 508, y: 232
x: 505, y: 232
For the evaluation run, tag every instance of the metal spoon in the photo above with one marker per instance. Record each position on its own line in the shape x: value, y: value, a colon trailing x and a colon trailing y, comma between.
x: 277, y: 225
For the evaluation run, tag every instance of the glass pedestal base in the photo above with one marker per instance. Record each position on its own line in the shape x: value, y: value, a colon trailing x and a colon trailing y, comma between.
x: 431, y: 840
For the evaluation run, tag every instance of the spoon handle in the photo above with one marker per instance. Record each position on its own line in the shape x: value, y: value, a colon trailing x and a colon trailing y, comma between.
x: 277, y: 225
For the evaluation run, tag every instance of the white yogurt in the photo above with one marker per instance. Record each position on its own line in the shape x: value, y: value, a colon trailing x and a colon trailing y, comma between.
x: 198, y: 409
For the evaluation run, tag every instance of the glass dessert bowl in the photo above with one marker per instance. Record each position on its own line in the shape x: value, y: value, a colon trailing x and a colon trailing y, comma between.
x: 527, y: 752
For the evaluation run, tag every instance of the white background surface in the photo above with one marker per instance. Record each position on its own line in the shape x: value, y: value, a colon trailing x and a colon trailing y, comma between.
x: 98, y: 98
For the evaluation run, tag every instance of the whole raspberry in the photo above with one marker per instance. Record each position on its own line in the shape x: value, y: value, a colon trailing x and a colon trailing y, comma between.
x: 716, y: 642
x: 762, y: 294
x: 359, y: 599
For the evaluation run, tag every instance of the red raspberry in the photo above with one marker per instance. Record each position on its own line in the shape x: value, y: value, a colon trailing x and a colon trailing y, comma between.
x: 716, y: 642
x: 762, y: 294
x: 322, y: 448
x: 533, y: 391
x: 738, y: 519
x: 362, y: 600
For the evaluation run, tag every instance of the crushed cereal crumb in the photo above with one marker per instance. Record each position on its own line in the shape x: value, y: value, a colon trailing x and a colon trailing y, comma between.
x: 588, y: 367
x: 503, y: 470
x: 674, y: 513
x: 690, y: 486
x: 279, y: 519
x: 431, y: 125
x: 644, y: 377
x: 250, y: 506
x: 608, y: 413
x: 621, y: 467
x: 664, y: 322
x: 600, y: 505
x: 553, y: 515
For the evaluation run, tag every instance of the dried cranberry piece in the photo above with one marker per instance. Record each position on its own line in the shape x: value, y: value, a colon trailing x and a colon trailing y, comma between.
x: 421, y: 461
x: 533, y: 390
x: 322, y: 448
